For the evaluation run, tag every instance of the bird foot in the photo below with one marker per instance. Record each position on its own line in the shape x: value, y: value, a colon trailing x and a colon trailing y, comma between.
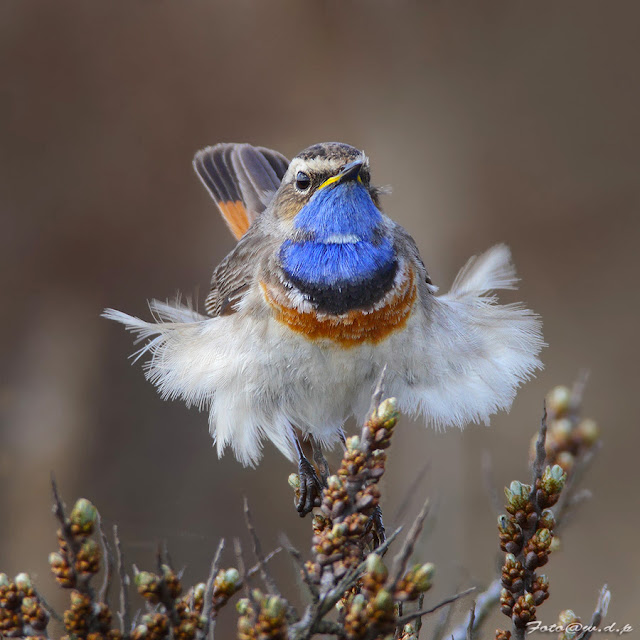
x: 311, y: 487
x: 377, y: 528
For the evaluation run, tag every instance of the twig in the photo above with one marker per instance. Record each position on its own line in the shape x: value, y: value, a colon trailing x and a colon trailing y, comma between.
x: 600, y: 612
x: 418, y: 614
x: 72, y: 547
x: 472, y: 617
x: 376, y: 398
x: 257, y: 550
x: 124, y: 613
x: 577, y: 392
x: 256, y: 567
x: 541, y: 451
x: 207, y: 607
x: 403, y: 556
x: 49, y: 609
x: 297, y: 556
x: 410, y: 492
x: 103, y: 594
x: 565, y: 504
x: 329, y: 599
x: 237, y: 550
x: 485, y: 604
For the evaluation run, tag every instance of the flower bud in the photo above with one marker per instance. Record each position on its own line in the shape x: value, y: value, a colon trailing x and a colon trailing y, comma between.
x: 243, y: 606
x: 518, y: 495
x: 559, y: 400
x: 376, y: 567
x: 83, y: 517
x: 384, y: 601
x: 547, y: 519
x: 353, y: 443
x: 275, y: 608
x: 423, y: 577
x: 387, y: 410
x: 588, y: 431
x: 23, y: 582
x: 553, y: 479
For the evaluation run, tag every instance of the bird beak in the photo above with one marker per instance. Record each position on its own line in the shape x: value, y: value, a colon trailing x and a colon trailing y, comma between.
x: 349, y: 172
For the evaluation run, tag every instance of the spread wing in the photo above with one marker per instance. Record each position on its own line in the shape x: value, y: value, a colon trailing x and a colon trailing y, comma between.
x: 241, y: 179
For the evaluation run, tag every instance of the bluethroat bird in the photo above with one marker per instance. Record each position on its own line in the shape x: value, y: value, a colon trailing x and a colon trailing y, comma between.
x: 321, y: 292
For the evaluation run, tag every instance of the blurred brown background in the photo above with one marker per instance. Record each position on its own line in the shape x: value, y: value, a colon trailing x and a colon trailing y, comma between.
x: 493, y: 121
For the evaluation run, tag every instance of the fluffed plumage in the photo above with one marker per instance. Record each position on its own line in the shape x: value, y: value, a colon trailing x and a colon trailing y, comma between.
x: 455, y: 358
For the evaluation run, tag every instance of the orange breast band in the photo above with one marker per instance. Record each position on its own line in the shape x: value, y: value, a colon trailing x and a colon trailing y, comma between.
x: 354, y: 327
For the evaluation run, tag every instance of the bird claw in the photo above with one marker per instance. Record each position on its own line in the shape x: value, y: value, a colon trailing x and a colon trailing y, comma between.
x: 377, y: 528
x: 310, y: 488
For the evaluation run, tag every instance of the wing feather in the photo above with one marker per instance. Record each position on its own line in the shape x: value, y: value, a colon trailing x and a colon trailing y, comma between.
x: 241, y: 179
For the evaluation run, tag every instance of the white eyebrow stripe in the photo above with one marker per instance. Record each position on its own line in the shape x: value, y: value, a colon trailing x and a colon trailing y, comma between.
x: 339, y: 238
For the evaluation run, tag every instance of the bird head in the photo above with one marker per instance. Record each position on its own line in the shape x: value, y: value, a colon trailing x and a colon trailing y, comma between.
x: 338, y: 248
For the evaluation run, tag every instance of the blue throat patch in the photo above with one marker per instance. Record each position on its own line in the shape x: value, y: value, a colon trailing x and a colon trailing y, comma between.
x: 346, y: 263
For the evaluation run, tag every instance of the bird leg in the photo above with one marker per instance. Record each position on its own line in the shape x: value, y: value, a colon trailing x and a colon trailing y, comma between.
x: 310, y: 485
x: 321, y: 462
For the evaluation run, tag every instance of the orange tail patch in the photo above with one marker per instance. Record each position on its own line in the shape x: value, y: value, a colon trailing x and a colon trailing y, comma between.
x: 235, y: 216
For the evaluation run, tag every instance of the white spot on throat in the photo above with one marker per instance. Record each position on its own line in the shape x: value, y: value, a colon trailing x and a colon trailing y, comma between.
x: 342, y: 238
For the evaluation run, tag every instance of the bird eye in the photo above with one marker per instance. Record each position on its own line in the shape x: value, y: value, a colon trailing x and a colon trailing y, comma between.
x: 303, y: 181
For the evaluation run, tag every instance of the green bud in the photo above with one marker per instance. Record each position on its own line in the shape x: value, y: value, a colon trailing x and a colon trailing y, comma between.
x: 275, y: 608
x: 518, y: 494
x: 506, y: 526
x: 358, y: 603
x: 23, y: 581
x: 384, y: 601
x: 561, y: 429
x: 559, y: 400
x: 547, y: 519
x: 510, y: 561
x: 588, y: 431
x: 145, y: 580
x: 553, y: 479
x: 199, y: 590
x: 232, y: 577
x: 353, y: 443
x: 542, y: 580
x: 141, y: 631
x: 387, y: 410
x: 147, y: 620
x: 257, y: 595
x: 4, y: 579
x: 339, y: 530
x: 423, y: 577
x: 245, y: 626
x: 334, y: 483
x: 55, y: 560
x: 567, y: 617
x: 243, y: 606
x: 376, y: 567
x: 543, y: 538
x: 84, y: 515
x: 294, y: 480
